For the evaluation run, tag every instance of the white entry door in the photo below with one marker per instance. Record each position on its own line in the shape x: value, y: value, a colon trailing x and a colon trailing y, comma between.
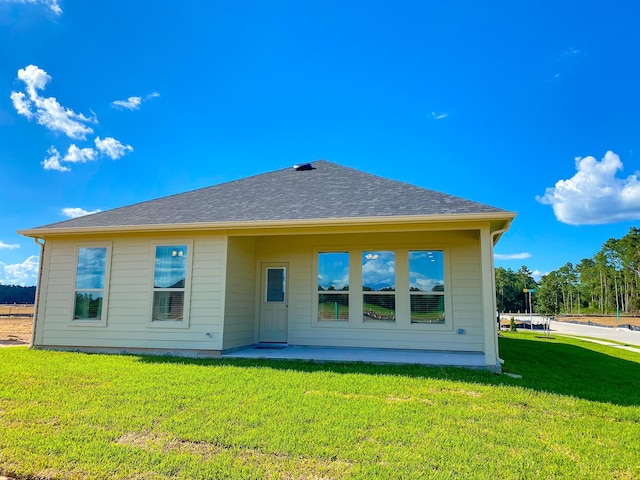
x: 273, y: 308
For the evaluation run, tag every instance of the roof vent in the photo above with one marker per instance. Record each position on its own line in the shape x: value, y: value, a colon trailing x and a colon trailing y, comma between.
x: 302, y: 167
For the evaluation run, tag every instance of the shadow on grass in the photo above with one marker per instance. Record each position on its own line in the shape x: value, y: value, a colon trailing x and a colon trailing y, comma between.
x: 546, y: 365
x: 574, y: 368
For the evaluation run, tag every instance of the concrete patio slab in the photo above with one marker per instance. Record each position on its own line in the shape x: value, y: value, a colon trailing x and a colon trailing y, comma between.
x: 368, y: 355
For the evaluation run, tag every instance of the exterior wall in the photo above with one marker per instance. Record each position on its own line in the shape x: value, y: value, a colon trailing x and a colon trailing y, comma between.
x: 240, y: 312
x: 466, y: 295
x: 225, y: 279
x: 128, y: 304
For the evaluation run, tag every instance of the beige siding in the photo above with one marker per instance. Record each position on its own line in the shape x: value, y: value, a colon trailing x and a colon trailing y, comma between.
x: 464, y: 281
x: 240, y: 312
x: 129, y: 297
x: 225, y: 279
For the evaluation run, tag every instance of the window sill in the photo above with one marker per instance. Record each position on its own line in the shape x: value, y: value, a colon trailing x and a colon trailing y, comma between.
x: 76, y: 322
x: 168, y: 324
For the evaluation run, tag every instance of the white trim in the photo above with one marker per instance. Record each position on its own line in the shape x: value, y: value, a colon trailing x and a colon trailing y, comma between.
x: 488, y: 298
x: 186, y: 306
x: 264, y: 268
x: 402, y: 297
x: 102, y: 322
x: 436, y: 220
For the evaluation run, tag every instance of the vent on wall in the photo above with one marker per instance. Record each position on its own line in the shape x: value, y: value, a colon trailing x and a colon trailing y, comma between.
x: 301, y: 167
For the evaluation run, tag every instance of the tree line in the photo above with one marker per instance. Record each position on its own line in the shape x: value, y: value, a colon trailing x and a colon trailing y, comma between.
x: 17, y: 294
x: 606, y: 283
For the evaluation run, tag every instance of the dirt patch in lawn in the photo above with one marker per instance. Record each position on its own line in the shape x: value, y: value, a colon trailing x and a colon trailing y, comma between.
x: 15, y: 331
x: 608, y: 321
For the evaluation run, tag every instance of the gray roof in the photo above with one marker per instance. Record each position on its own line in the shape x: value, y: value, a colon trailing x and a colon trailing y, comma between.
x: 328, y: 191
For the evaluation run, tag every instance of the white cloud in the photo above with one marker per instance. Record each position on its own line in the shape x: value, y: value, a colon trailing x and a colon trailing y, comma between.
x: 49, y: 113
x: 46, y: 110
x: 21, y: 104
x: 9, y: 246
x: 438, y: 116
x: 537, y: 275
x: 572, y: 52
x: 52, y: 5
x: 25, y: 273
x: 512, y: 256
x: 80, y: 155
x: 75, y: 212
x: 109, y: 147
x: 378, y: 269
x: 594, y: 195
x: 53, y: 162
x: 131, y: 103
x: 112, y: 148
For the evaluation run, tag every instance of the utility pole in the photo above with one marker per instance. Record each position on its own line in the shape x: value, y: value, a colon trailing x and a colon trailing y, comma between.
x: 530, y: 291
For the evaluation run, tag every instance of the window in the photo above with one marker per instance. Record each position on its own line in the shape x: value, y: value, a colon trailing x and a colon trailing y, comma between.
x: 333, y: 287
x: 426, y: 286
x: 91, y: 273
x: 276, y: 284
x: 169, y: 283
x: 378, y: 287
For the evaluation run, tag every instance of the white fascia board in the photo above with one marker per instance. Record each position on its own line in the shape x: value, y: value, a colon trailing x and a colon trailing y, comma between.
x: 505, y: 217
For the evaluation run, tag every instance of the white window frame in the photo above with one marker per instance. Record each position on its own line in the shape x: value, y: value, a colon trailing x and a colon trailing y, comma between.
x: 446, y: 293
x: 331, y: 292
x: 388, y: 293
x: 186, y: 306
x: 90, y: 322
x: 402, y: 288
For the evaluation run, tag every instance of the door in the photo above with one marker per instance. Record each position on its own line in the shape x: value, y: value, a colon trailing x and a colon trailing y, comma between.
x: 273, y: 307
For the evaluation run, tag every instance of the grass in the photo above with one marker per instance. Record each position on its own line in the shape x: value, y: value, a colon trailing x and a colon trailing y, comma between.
x: 574, y: 414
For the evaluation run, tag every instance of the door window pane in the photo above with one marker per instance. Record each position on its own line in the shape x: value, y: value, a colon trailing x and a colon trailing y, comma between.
x: 276, y: 284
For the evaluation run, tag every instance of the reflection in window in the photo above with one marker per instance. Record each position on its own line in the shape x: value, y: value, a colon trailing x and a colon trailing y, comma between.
x: 378, y: 286
x: 90, y: 277
x: 426, y: 285
x: 333, y: 286
x: 169, y: 282
x: 276, y: 284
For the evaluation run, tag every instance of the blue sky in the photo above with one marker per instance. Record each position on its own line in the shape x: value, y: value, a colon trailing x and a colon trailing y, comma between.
x: 531, y: 106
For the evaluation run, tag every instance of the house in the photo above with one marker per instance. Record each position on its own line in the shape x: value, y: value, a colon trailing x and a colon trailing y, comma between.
x: 315, y: 255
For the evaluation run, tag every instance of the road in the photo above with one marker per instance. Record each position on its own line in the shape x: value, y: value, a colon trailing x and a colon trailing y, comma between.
x: 622, y: 335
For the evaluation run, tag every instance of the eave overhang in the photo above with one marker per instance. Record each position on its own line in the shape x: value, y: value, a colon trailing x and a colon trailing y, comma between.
x: 497, y: 221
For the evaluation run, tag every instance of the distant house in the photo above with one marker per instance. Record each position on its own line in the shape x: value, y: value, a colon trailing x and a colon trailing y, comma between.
x: 315, y: 255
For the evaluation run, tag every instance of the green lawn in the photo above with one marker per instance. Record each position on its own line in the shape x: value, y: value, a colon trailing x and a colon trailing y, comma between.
x: 574, y: 414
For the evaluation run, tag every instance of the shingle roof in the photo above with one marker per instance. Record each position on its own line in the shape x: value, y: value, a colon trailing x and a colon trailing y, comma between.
x: 328, y: 191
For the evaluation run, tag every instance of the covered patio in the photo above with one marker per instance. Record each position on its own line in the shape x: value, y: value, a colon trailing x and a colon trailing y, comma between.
x: 368, y: 355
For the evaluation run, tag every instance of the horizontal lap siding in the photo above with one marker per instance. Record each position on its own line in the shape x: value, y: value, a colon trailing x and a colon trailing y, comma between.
x: 129, y: 297
x: 240, y: 292
x: 466, y: 295
x: 466, y: 290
